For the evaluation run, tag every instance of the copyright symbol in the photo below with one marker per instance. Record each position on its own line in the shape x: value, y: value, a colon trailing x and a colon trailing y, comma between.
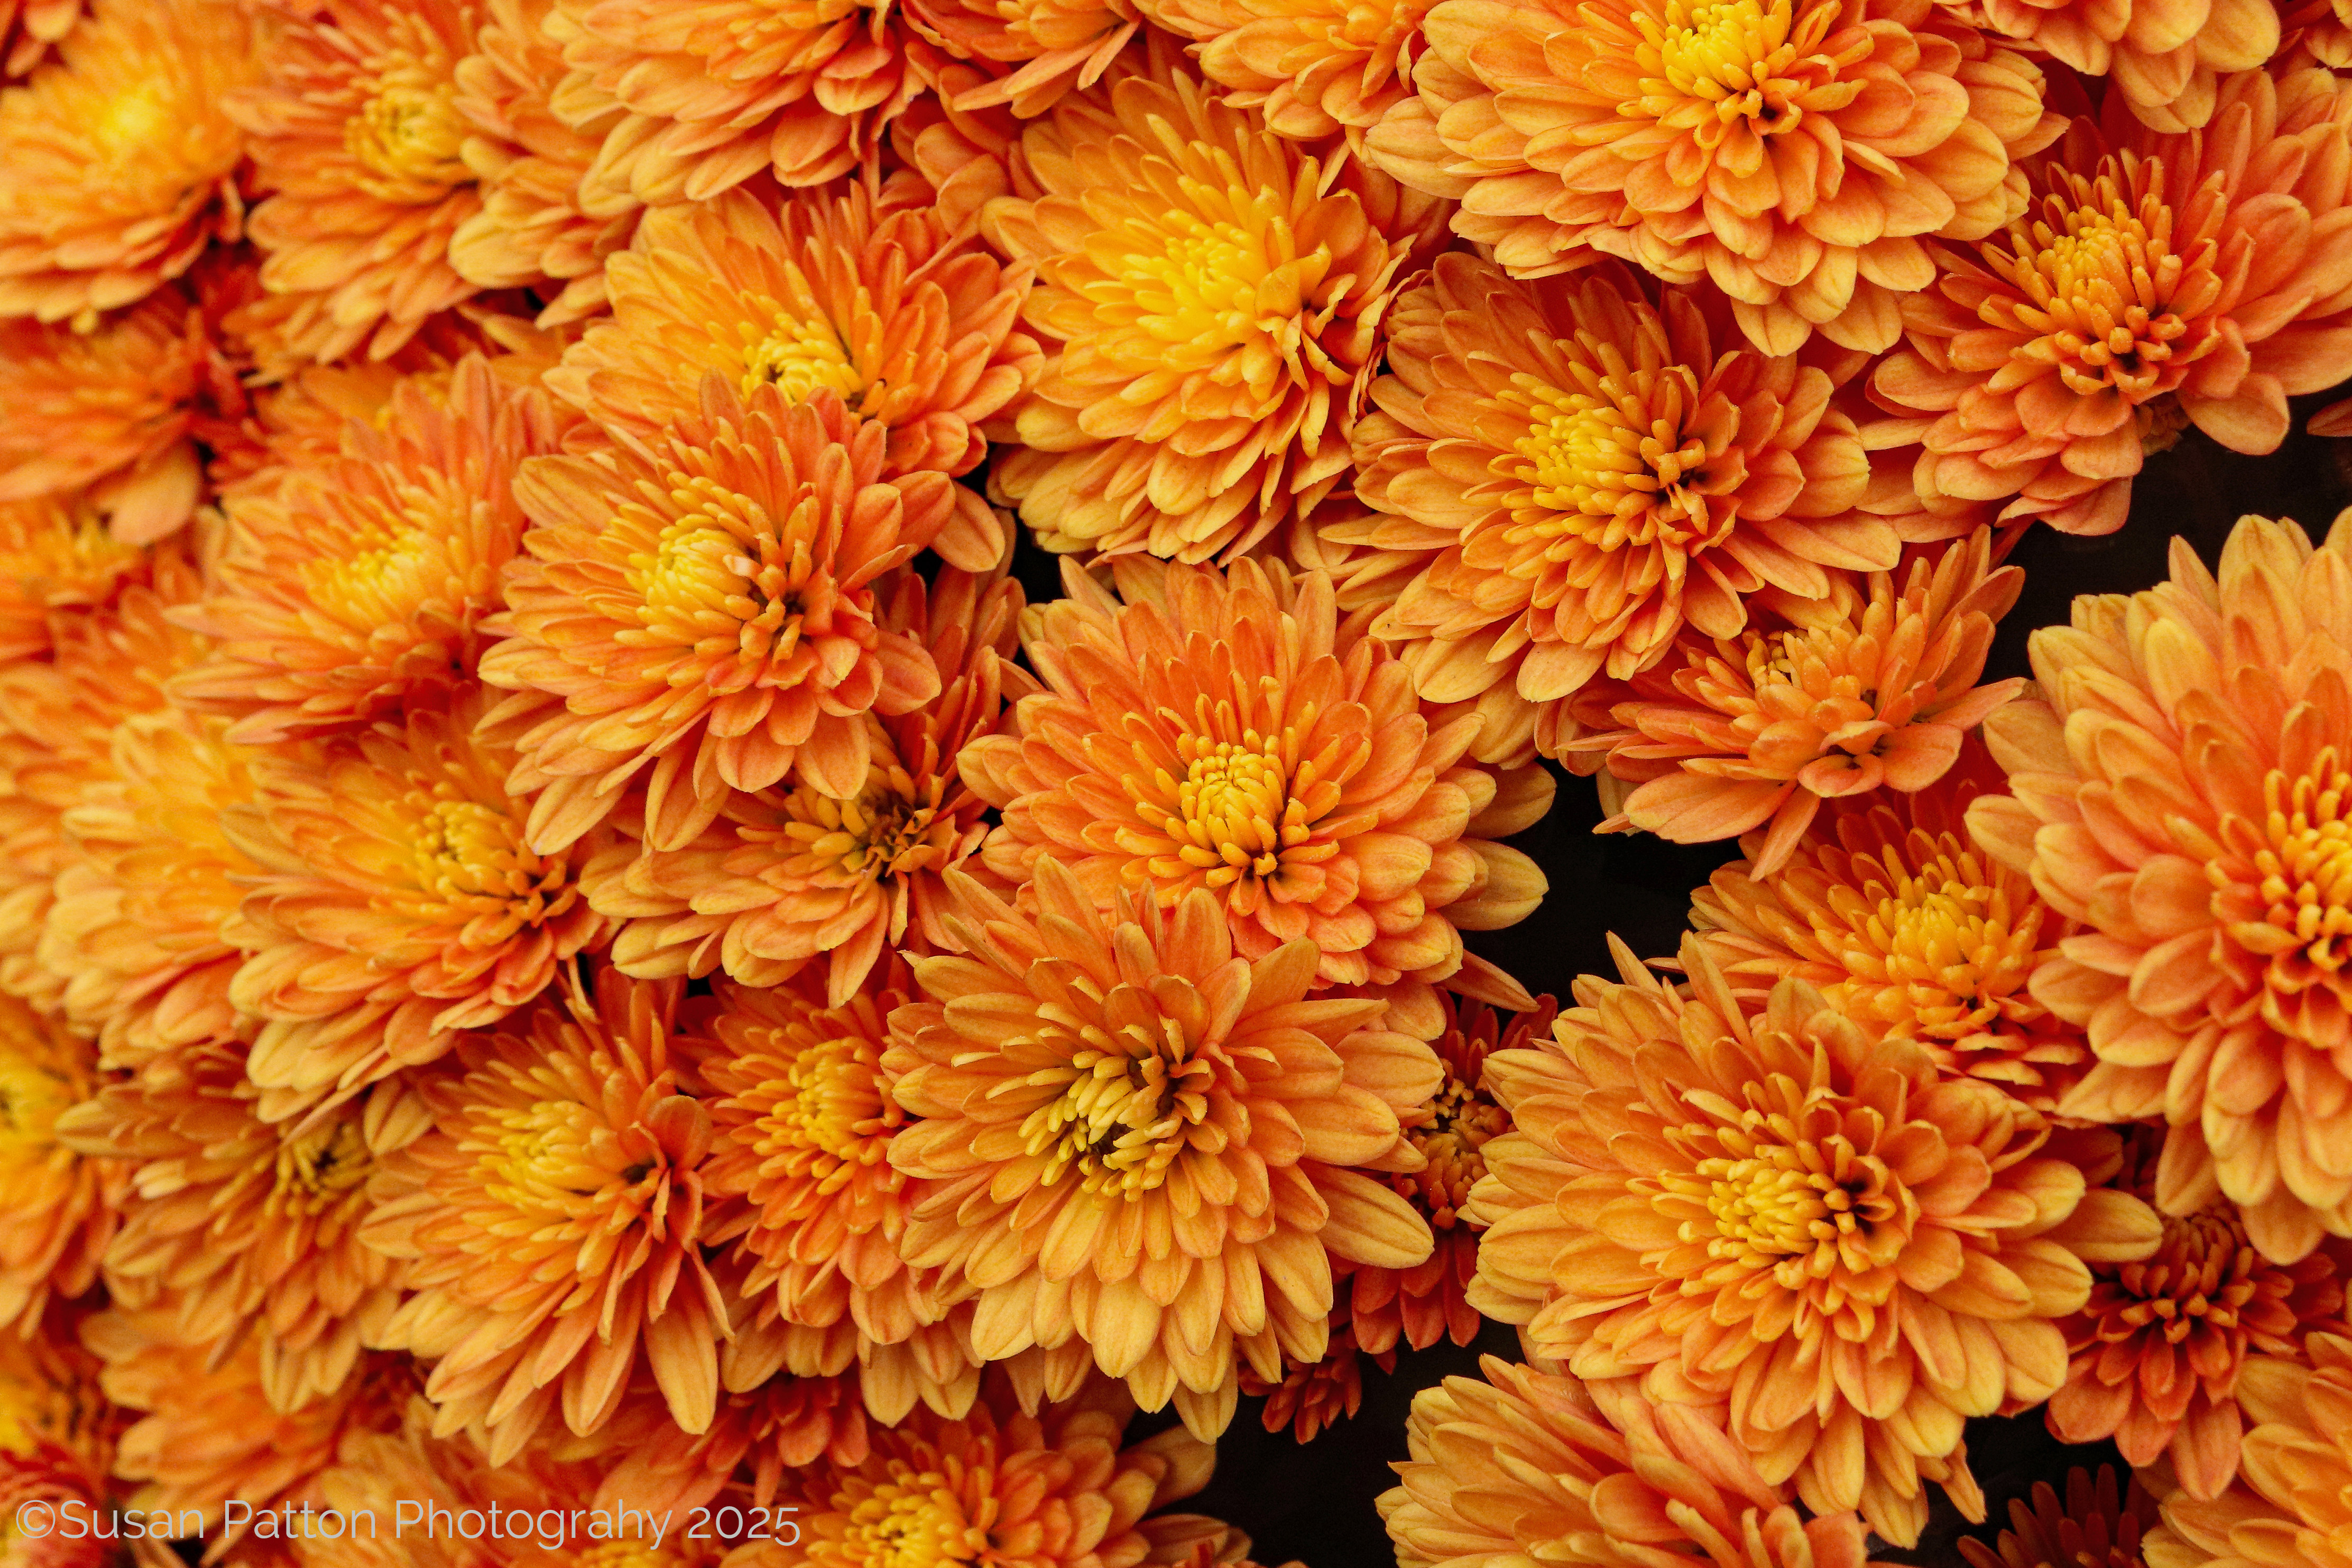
x: 35, y: 1518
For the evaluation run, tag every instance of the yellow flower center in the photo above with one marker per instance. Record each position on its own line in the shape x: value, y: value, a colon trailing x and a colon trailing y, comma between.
x: 893, y: 827
x: 1128, y: 1098
x: 1606, y: 463
x: 389, y: 564
x: 133, y: 122
x: 1452, y: 1130
x: 1768, y: 1207
x: 2095, y: 279
x: 317, y: 1167
x: 75, y: 555
x: 1953, y: 943
x: 541, y: 1159
x: 829, y: 1105
x: 912, y: 1520
x: 726, y: 576
x: 1732, y: 56
x: 1228, y: 295
x: 467, y: 861
x: 32, y: 1095
x: 1234, y: 811
x: 799, y: 356
x: 409, y: 137
x: 2307, y: 867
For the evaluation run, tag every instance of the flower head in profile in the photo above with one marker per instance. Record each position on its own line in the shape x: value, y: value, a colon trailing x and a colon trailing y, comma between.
x: 63, y: 1207
x: 1873, y: 687
x: 394, y: 904
x: 1450, y: 1131
x: 754, y: 1437
x: 362, y: 579
x: 55, y: 553
x: 2290, y: 1506
x: 114, y: 413
x: 354, y: 132
x: 2156, y: 1352
x: 1310, y: 1397
x: 691, y: 98
x: 789, y: 874
x: 1060, y: 1488
x: 527, y: 162
x: 1798, y: 153
x: 120, y: 160
x: 569, y: 1125
x: 1024, y: 53
x: 867, y: 293
x: 1592, y: 470
x: 704, y: 614
x: 1912, y: 931
x: 1224, y: 733
x: 251, y: 1229
x: 1752, y: 1203
x: 1505, y: 1469
x: 1122, y: 1112
x: 2175, y: 280
x: 2180, y: 786
x: 1211, y: 297
x: 2097, y: 1524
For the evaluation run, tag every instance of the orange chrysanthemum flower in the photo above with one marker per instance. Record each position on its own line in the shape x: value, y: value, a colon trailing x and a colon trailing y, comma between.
x: 1873, y: 687
x: 1778, y: 1211
x: 1911, y: 930
x: 62, y: 1207
x: 55, y: 553
x: 355, y: 131
x: 2092, y: 1528
x: 115, y: 413
x: 251, y: 1229
x: 531, y: 231
x: 1309, y: 1398
x: 704, y: 614
x: 1030, y: 52
x: 361, y: 580
x: 1224, y: 734
x: 2186, y: 279
x: 58, y: 1435
x: 1136, y: 1137
x: 1511, y: 1467
x: 1451, y: 1130
x: 56, y: 727
x: 787, y: 876
x: 120, y: 164
x: 2157, y: 1351
x: 2292, y: 1504
x: 395, y: 905
x: 1054, y: 1490
x: 1314, y: 68
x: 207, y: 1434
x: 571, y: 1126
x: 1212, y: 297
x: 867, y: 292
x: 2180, y: 788
x: 756, y: 1436
x: 694, y: 97
x: 1592, y: 472
x: 29, y: 28
x: 1797, y: 153
x: 2162, y: 59
x: 800, y: 1179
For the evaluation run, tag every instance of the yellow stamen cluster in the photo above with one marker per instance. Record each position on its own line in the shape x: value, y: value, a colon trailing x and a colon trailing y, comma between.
x: 34, y: 1093
x: 1129, y: 1103
x: 1731, y: 55
x: 912, y: 1520
x: 1450, y: 1131
x: 1218, y: 293
x: 408, y: 139
x: 393, y: 562
x: 317, y: 1167
x: 2306, y: 866
x: 1611, y: 450
x: 867, y: 837
x: 827, y: 1115
x: 1955, y: 939
x: 799, y: 354
x: 467, y: 864
x: 724, y: 577
x: 2100, y: 286
x: 541, y: 1160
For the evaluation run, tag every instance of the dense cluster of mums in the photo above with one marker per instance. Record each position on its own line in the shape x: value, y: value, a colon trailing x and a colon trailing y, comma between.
x: 568, y: 934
